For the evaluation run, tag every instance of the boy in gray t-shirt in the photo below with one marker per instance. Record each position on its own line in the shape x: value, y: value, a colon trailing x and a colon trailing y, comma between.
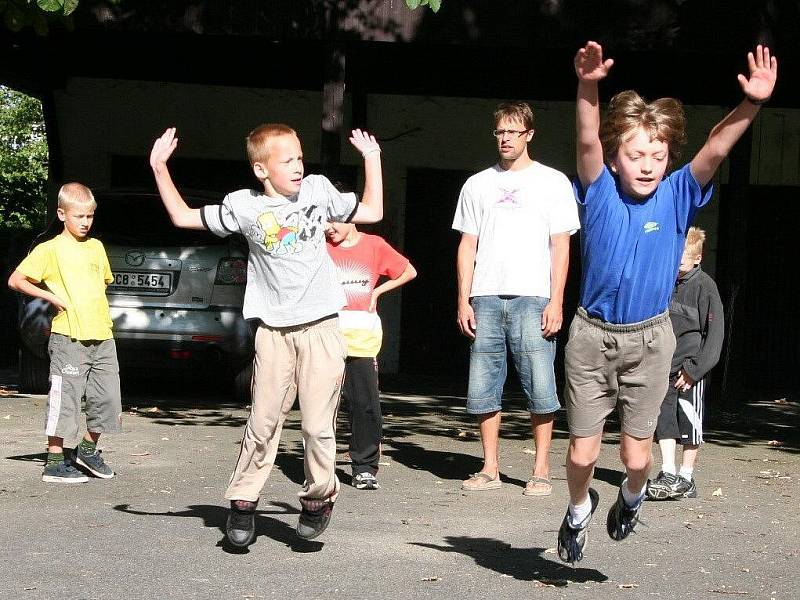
x: 293, y: 291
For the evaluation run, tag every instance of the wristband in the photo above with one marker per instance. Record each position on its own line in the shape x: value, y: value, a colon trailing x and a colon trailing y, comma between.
x: 756, y: 102
x: 370, y: 151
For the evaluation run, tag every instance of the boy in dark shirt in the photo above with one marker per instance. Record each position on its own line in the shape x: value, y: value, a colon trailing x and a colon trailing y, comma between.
x: 698, y: 324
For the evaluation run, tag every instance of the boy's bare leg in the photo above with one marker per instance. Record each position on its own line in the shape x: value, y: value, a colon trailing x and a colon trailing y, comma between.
x: 581, y: 458
x: 542, y: 426
x: 637, y: 457
x: 55, y: 445
x: 689, y: 456
x: 667, y: 448
x: 489, y: 424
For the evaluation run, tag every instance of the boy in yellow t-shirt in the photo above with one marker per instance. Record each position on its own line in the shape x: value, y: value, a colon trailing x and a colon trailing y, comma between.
x: 75, y: 271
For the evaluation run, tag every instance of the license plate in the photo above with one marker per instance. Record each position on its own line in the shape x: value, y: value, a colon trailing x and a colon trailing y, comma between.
x: 154, y: 283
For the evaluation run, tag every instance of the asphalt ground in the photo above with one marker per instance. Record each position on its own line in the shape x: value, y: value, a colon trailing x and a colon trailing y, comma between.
x: 157, y: 529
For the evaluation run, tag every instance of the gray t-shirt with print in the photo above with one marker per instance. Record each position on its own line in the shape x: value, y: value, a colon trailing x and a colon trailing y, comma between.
x: 291, y: 279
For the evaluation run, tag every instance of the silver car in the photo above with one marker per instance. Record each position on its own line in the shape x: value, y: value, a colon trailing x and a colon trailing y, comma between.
x: 176, y: 298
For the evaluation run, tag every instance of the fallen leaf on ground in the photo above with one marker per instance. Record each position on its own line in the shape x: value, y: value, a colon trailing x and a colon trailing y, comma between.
x: 140, y: 454
x: 550, y: 551
x: 781, y: 401
x: 7, y: 417
x: 434, y: 578
x: 627, y: 586
x: 152, y: 409
x: 717, y: 492
x: 704, y: 570
x: 774, y: 443
x: 528, y: 451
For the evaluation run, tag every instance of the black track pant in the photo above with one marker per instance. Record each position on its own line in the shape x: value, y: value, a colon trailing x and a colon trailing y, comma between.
x: 361, y: 400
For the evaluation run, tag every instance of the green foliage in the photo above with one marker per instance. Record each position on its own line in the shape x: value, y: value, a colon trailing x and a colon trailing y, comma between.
x: 434, y: 5
x: 18, y: 14
x: 23, y: 161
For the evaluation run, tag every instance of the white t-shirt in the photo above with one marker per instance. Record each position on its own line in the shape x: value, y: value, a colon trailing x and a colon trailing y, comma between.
x: 514, y: 213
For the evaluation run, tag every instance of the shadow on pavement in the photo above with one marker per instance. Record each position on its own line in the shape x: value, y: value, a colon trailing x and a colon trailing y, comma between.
x: 525, y: 564
x: 217, y: 516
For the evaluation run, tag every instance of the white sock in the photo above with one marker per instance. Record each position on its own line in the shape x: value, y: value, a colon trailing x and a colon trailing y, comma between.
x: 579, y: 512
x: 687, y: 472
x: 632, y: 499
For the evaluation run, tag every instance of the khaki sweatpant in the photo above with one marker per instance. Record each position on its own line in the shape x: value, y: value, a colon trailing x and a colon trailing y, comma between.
x: 306, y: 361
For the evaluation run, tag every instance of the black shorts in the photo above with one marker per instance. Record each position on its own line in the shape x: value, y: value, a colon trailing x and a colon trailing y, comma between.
x: 681, y: 416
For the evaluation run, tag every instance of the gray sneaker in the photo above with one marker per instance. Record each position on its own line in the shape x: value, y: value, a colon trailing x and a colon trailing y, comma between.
x: 63, y: 472
x: 93, y: 463
x: 661, y: 488
x: 365, y: 481
x: 684, y: 488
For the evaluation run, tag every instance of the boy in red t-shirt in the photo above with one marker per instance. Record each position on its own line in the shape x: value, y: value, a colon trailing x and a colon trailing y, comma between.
x: 361, y: 259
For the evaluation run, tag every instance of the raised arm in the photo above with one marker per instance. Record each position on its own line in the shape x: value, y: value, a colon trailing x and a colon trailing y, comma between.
x: 757, y: 90
x: 590, y: 68
x: 465, y: 269
x: 370, y: 209
x: 179, y: 213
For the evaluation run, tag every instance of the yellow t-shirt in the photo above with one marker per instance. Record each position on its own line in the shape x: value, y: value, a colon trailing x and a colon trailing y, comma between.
x: 77, y: 272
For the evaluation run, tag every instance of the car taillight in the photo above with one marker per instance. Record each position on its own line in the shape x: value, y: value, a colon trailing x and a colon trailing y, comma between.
x: 231, y: 271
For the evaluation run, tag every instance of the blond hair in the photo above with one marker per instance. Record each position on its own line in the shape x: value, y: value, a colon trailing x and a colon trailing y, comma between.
x: 695, y: 238
x: 662, y: 119
x: 258, y: 140
x: 72, y: 194
x: 515, y: 111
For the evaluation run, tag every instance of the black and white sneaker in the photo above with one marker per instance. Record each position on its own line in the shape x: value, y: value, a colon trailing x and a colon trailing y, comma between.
x: 94, y: 463
x: 661, y: 487
x: 241, y: 525
x: 571, y: 540
x: 365, y: 481
x: 63, y: 472
x: 622, y: 519
x: 684, y: 488
x: 313, y: 522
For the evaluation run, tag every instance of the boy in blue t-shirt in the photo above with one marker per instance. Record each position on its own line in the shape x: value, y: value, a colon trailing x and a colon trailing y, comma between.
x: 633, y: 226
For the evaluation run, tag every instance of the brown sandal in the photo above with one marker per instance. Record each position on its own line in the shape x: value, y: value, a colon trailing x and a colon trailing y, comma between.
x: 538, y: 486
x: 480, y: 482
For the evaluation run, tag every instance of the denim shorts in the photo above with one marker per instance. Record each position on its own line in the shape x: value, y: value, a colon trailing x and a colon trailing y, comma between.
x: 514, y: 323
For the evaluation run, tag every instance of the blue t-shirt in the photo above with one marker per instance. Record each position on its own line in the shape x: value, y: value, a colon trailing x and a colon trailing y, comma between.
x: 631, y: 248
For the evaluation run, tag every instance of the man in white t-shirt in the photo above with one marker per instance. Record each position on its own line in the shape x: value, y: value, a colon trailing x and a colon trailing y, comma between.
x: 515, y: 220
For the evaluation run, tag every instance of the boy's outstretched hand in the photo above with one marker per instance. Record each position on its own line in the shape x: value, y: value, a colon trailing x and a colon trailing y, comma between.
x: 763, y: 73
x: 163, y: 148
x: 364, y: 142
x: 589, y: 63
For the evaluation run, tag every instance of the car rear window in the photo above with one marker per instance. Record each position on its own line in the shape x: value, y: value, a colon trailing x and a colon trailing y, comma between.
x: 141, y: 219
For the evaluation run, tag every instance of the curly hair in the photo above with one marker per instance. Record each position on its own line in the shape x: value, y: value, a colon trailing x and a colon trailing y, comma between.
x: 663, y: 119
x: 258, y: 140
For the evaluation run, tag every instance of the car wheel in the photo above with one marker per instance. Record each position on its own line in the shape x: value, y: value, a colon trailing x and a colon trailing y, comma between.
x: 242, y: 383
x: 34, y: 373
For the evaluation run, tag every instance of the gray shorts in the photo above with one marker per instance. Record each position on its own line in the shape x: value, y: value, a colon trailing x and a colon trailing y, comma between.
x: 78, y: 370
x: 611, y: 365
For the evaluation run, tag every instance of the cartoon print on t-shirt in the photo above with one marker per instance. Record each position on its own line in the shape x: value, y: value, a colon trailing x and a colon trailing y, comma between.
x: 292, y: 235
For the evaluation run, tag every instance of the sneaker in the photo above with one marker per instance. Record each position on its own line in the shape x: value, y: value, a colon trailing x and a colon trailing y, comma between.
x: 365, y: 481
x: 572, y: 541
x: 660, y: 488
x: 684, y: 488
x: 622, y: 519
x: 313, y: 522
x: 241, y: 525
x: 63, y: 472
x: 93, y: 463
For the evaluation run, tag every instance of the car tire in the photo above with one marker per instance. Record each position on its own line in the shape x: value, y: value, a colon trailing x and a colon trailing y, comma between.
x: 242, y: 384
x: 34, y: 373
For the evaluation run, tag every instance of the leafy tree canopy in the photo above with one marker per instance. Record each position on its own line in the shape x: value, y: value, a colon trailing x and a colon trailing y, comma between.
x: 23, y: 161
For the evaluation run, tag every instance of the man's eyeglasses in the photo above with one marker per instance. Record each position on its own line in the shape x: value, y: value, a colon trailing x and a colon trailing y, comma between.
x: 501, y: 133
